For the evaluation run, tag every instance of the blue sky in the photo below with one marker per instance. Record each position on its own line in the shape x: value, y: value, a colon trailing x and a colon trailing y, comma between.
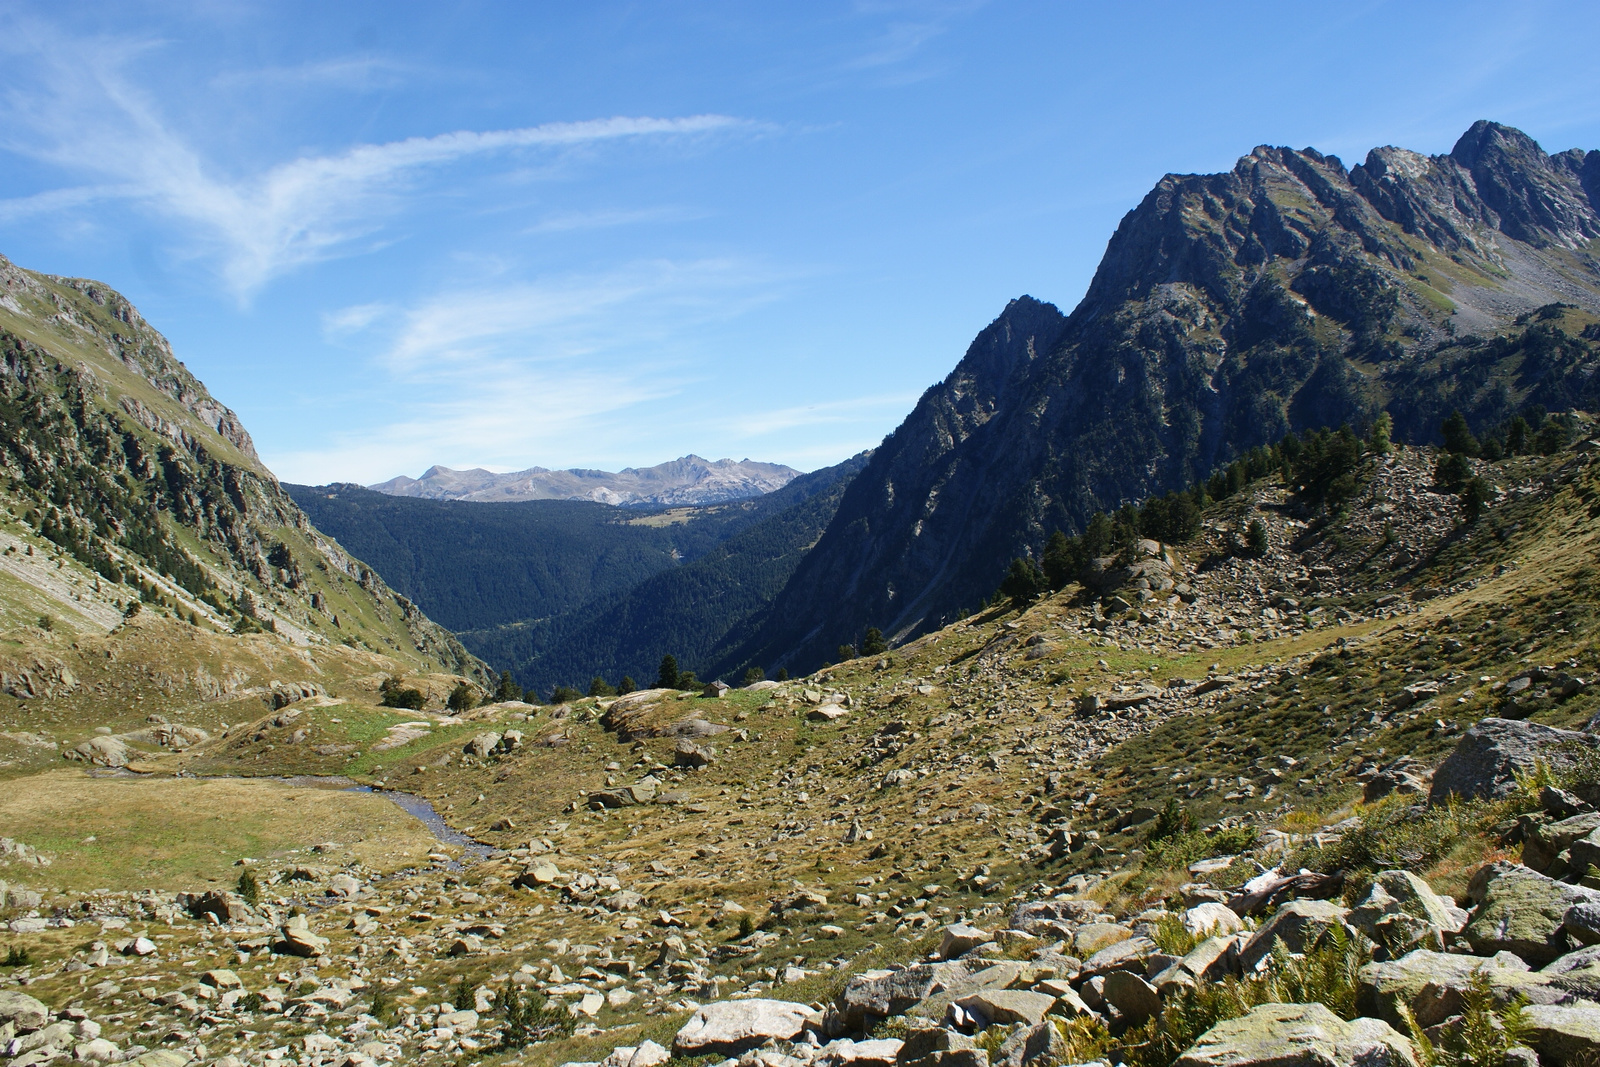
x: 608, y: 234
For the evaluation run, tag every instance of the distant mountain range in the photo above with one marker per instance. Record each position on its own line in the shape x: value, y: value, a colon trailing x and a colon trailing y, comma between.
x: 686, y: 482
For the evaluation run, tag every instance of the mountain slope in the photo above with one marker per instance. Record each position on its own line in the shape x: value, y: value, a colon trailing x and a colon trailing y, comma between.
x: 113, y: 451
x: 1230, y: 308
x: 688, y: 481
x: 558, y: 591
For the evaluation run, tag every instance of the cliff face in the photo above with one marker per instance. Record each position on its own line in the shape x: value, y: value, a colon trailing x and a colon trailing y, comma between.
x: 112, y: 450
x: 1288, y: 293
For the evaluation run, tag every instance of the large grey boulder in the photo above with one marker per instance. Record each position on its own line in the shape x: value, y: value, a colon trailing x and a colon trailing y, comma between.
x: 1006, y: 1006
x: 935, y: 1046
x: 879, y: 1052
x: 1582, y: 922
x: 1041, y: 1043
x: 1565, y: 1033
x: 993, y: 977
x: 729, y: 1027
x: 868, y: 998
x: 100, y: 752
x: 1299, y: 924
x: 298, y: 940
x: 1490, y: 756
x: 1299, y: 1035
x: 25, y: 1014
x: 482, y: 745
x: 1402, y: 911
x: 1131, y: 995
x: 1523, y: 912
x: 1384, y: 988
x: 1544, y: 843
x: 960, y: 939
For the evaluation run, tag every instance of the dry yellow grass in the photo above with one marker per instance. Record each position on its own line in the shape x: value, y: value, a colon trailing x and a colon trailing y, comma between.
x: 185, y: 833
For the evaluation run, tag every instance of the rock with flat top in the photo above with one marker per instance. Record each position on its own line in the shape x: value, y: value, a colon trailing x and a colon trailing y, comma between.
x: 298, y: 940
x: 1210, y: 918
x: 960, y: 939
x: 1299, y: 1035
x: 1007, y: 1006
x: 1564, y: 1034
x: 729, y: 1027
x: 24, y: 1013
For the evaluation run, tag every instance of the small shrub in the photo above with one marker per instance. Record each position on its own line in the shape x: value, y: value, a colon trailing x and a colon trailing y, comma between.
x: 464, y: 1000
x: 462, y: 698
x: 526, y: 1024
x: 249, y: 888
x: 17, y: 956
x: 747, y: 925
x: 381, y: 1007
x: 1172, y: 937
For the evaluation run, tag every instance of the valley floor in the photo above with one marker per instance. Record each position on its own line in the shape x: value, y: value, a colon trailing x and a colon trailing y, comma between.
x: 1111, y: 763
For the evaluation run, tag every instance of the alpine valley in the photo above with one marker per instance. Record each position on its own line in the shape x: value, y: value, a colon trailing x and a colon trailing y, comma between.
x: 1204, y: 677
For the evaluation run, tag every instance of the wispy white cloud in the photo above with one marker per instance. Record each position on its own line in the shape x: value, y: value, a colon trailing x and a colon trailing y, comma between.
x: 80, y: 113
x: 507, y: 375
x: 823, y: 413
x: 360, y: 73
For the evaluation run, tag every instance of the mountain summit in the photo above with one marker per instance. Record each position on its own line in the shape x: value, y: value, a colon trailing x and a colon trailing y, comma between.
x: 1286, y: 294
x: 685, y: 482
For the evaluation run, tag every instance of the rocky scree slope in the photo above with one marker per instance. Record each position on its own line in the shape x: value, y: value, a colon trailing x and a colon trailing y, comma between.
x: 1288, y: 293
x: 141, y: 488
x: 1065, y: 815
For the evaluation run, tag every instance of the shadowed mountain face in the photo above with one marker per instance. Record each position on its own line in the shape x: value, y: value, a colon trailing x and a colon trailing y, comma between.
x: 686, y: 482
x: 1287, y: 293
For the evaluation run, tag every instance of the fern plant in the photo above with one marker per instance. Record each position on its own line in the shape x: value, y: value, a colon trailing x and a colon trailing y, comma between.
x: 1480, y: 1036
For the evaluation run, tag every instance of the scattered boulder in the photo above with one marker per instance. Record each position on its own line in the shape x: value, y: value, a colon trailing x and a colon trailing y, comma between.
x: 1401, y: 911
x: 1299, y: 924
x: 1490, y: 756
x: 1383, y: 988
x: 1040, y: 1043
x: 1564, y: 1034
x: 961, y: 938
x: 1131, y: 995
x: 100, y: 752
x: 1542, y: 845
x: 934, y: 1046
x: 1582, y: 922
x: 1523, y: 912
x: 22, y: 1012
x: 689, y: 754
x: 1007, y: 1006
x: 1204, y: 920
x: 729, y: 1027
x: 1299, y: 1035
x: 298, y: 940
x: 483, y: 744
x: 875, y: 995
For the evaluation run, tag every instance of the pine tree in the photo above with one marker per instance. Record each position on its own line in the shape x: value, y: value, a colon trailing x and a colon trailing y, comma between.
x: 667, y: 673
x: 462, y: 698
x: 508, y: 688
x: 872, y: 642
x: 1458, y: 438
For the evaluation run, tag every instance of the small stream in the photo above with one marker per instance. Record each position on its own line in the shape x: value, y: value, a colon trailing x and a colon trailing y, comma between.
x: 416, y: 807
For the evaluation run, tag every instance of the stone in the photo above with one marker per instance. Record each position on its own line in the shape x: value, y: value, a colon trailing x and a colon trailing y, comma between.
x: 1492, y: 754
x: 1131, y: 995
x: 1544, y: 843
x: 1299, y: 924
x: 1523, y: 912
x: 1564, y: 1034
x: 98, y: 1050
x: 482, y: 744
x: 960, y: 939
x: 537, y: 875
x: 1585, y: 852
x: 1039, y: 1043
x: 648, y: 1054
x: 873, y: 996
x: 1093, y: 937
x: 1204, y: 920
x: 936, y: 1046
x: 1299, y: 1035
x: 879, y: 1052
x: 100, y: 752
x: 994, y: 976
x: 1582, y: 922
x: 221, y: 979
x: 689, y: 754
x: 298, y: 940
x: 140, y: 946
x: 1007, y: 1006
x: 1129, y: 955
x: 1383, y: 988
x: 1401, y: 911
x: 24, y: 1013
x: 729, y: 1027
x: 462, y: 1022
